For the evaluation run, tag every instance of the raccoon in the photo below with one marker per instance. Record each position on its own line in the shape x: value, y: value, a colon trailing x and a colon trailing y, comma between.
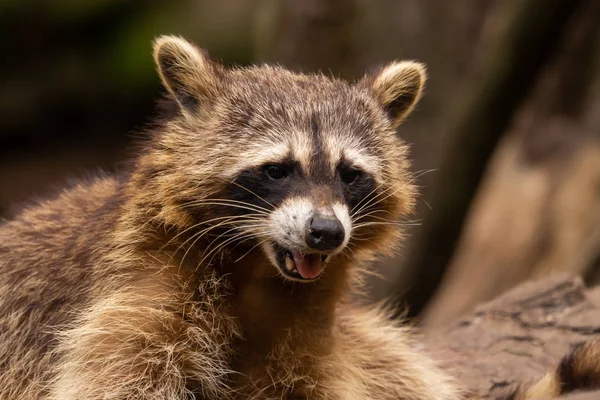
x: 222, y: 264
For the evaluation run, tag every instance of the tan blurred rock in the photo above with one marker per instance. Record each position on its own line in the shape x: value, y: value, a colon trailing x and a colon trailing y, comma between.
x: 529, y: 221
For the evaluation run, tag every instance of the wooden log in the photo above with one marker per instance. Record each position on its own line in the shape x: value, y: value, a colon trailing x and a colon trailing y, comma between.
x: 519, y: 336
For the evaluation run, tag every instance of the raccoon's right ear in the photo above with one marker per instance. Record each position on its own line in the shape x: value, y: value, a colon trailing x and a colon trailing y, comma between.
x: 398, y: 88
x: 186, y: 72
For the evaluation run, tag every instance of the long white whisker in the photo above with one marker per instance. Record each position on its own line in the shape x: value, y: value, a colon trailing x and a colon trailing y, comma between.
x: 372, y: 214
x: 223, y: 244
x: 419, y: 174
x: 250, y: 191
x: 206, y: 230
x: 229, y: 201
x: 377, y: 199
x: 200, y: 224
x: 253, y: 247
x: 364, y: 198
x: 375, y: 223
x: 241, y: 239
x: 200, y: 234
x: 380, y: 200
x: 226, y: 204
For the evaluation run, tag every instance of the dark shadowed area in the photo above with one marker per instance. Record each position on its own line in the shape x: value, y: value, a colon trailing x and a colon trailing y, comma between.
x: 506, y: 142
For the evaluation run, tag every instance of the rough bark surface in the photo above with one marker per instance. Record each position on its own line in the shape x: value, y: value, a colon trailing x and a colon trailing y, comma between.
x: 519, y: 336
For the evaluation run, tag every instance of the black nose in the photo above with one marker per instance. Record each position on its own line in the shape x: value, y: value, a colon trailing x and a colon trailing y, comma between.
x: 324, y: 233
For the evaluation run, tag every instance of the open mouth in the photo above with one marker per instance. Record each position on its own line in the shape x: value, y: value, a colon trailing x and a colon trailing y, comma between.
x: 299, y: 266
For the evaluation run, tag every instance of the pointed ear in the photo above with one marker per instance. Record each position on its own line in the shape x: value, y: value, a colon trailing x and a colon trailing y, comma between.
x: 398, y: 88
x: 186, y: 72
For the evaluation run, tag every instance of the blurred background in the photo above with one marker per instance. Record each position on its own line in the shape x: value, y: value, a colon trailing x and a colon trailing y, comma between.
x: 506, y: 143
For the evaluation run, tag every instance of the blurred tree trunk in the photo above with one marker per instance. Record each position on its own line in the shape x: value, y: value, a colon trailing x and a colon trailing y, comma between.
x: 309, y: 35
x: 538, y: 212
x: 531, y: 38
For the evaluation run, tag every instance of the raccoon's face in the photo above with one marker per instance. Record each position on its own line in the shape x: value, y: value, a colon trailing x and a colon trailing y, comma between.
x: 304, y: 168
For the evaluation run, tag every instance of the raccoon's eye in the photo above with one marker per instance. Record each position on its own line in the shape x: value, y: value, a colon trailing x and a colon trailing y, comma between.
x: 350, y: 175
x: 276, y: 171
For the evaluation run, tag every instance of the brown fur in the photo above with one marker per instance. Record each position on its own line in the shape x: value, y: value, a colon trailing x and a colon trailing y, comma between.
x: 579, y: 370
x: 107, y: 293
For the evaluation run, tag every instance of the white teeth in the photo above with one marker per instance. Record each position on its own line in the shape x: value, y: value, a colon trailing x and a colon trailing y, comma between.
x: 295, y: 270
x: 289, y: 264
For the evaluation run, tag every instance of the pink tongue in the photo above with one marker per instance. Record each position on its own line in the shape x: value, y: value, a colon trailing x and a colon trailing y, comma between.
x: 309, y: 266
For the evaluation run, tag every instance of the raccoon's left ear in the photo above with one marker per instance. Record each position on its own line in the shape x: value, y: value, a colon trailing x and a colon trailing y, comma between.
x: 186, y: 72
x: 398, y: 88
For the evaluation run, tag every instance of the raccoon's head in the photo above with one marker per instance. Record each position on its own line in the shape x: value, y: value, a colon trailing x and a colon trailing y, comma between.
x: 303, y: 168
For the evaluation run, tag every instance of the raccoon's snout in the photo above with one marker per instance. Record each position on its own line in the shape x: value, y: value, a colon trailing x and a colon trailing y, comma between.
x: 306, y: 237
x: 324, y: 233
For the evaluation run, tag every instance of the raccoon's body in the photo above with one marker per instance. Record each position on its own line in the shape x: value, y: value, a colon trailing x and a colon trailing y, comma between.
x: 221, y: 265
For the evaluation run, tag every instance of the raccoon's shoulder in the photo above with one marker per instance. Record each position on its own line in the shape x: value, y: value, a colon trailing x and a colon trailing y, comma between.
x: 78, y: 208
